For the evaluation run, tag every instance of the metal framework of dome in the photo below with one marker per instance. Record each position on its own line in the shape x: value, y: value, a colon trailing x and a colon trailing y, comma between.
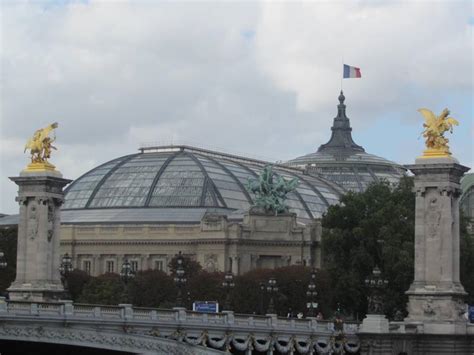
x: 344, y: 162
x: 171, y: 178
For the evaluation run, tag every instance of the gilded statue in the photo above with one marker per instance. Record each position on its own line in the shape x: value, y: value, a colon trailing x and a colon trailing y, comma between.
x: 434, y: 130
x: 41, y: 146
x: 270, y: 191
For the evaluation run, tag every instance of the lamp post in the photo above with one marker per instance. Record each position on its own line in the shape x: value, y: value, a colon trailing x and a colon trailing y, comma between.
x: 65, y: 268
x: 180, y: 279
x: 262, y: 288
x: 375, y: 284
x: 126, y: 274
x: 3, y: 261
x: 228, y: 285
x: 272, y: 288
x: 311, y: 294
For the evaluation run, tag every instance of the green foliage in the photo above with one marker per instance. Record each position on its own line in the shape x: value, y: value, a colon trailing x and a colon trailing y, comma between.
x: 76, y: 280
x: 467, y: 261
x: 372, y: 228
x: 292, y: 281
x: 152, y: 288
x: 206, y: 286
x: 104, y: 289
x: 8, y: 244
x: 191, y: 267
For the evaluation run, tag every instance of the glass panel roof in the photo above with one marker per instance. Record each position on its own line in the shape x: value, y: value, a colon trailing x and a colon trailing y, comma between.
x: 190, y: 178
x: 81, y: 190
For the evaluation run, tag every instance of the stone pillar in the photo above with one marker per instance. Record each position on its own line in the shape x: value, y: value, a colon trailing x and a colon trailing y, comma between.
x: 436, y: 294
x: 38, y: 256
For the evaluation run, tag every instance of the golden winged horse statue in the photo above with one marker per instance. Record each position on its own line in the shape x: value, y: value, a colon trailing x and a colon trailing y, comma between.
x: 434, y: 129
x: 40, y: 146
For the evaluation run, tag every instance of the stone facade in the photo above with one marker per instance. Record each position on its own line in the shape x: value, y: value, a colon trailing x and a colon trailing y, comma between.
x: 37, y: 274
x: 257, y: 241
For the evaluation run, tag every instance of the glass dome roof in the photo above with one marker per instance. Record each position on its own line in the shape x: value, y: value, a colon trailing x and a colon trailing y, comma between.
x: 186, y: 177
x: 344, y: 162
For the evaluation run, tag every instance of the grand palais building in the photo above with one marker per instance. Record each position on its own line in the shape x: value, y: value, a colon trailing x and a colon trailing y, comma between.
x: 148, y: 206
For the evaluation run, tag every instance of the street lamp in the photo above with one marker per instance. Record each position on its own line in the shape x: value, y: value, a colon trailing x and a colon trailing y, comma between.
x: 262, y: 288
x: 3, y: 261
x: 272, y: 288
x: 65, y: 268
x: 228, y: 285
x: 126, y: 273
x: 311, y: 294
x: 180, y: 279
x: 375, y: 284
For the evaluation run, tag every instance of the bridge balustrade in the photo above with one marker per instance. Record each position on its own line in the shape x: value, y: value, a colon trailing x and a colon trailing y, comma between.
x: 217, y: 330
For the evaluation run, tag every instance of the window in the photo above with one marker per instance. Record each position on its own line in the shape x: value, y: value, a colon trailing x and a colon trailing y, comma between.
x: 134, y: 265
x: 109, y: 266
x: 159, y: 265
x: 86, y: 266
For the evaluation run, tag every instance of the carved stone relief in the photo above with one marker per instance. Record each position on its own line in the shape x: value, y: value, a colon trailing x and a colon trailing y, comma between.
x: 433, y: 217
x: 210, y: 261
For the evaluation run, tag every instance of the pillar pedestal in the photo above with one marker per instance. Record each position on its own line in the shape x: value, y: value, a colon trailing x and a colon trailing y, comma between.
x: 40, y: 197
x: 375, y: 323
x: 436, y: 296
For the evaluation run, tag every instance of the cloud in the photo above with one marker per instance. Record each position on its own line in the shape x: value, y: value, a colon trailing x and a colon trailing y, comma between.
x: 261, y: 79
x: 399, y: 46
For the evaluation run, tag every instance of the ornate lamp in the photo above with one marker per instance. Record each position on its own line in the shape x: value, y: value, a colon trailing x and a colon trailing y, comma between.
x: 3, y: 261
x: 228, y: 285
x: 262, y: 288
x: 126, y: 273
x: 180, y: 279
x: 311, y: 294
x: 272, y: 288
x: 65, y: 268
x: 375, y: 284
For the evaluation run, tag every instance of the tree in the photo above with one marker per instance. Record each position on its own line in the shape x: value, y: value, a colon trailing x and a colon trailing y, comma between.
x: 375, y: 227
x: 372, y: 228
x: 191, y: 267
x: 103, y: 289
x: 206, y: 286
x: 152, y: 288
x: 467, y: 261
x: 76, y: 280
x: 292, y: 281
x: 8, y: 245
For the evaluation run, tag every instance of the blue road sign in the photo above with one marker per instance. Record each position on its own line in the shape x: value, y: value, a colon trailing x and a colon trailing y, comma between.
x: 206, y: 306
x: 471, y: 314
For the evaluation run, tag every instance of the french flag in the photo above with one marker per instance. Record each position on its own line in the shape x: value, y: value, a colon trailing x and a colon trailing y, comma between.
x: 351, y: 72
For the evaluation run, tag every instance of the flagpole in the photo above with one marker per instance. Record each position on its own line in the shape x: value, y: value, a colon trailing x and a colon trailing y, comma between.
x: 342, y: 76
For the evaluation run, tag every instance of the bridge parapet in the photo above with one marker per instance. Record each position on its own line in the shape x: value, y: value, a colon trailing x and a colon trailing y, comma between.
x: 214, y: 330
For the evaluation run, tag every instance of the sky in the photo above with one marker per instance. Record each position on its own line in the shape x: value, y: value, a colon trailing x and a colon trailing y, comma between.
x: 260, y: 79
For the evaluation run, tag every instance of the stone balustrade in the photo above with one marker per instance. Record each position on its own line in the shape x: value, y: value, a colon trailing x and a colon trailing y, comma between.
x: 214, y: 330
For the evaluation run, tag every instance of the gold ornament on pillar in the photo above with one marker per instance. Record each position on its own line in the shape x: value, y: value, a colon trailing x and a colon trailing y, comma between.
x: 40, y: 147
x: 435, y: 128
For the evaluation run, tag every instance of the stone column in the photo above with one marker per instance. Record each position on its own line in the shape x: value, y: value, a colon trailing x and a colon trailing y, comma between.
x: 38, y: 257
x: 436, y: 294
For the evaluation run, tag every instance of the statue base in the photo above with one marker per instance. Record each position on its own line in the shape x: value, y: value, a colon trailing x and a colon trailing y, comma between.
x: 38, y: 167
x: 36, y: 292
x: 435, y: 153
x: 375, y: 323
